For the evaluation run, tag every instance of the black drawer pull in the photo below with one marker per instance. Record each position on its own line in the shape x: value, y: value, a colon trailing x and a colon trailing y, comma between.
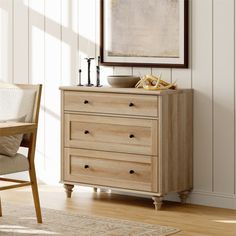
x: 86, y: 102
x: 131, y: 104
x: 131, y: 136
x: 86, y: 166
x: 86, y: 132
x: 131, y: 172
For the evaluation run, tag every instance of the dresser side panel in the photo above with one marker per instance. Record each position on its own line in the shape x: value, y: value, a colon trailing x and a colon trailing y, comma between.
x: 62, y: 136
x: 176, y: 142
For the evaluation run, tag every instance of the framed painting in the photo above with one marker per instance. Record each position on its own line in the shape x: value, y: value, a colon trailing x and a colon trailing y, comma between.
x: 144, y: 33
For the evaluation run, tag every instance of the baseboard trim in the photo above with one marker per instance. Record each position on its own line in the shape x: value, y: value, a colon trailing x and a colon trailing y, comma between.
x: 208, y: 199
x: 198, y: 198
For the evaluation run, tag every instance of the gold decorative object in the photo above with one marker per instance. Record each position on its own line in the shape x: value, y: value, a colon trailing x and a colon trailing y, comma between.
x: 151, y: 82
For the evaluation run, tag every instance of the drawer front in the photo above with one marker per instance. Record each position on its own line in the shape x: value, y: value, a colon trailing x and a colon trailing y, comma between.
x: 103, y: 168
x: 125, y: 104
x: 104, y: 133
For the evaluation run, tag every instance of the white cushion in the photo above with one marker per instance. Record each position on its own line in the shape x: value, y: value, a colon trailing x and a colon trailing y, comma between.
x: 16, y: 102
x: 14, y: 164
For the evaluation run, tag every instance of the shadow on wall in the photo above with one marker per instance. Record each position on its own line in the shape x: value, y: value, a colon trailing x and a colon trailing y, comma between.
x: 67, y: 33
x: 46, y: 26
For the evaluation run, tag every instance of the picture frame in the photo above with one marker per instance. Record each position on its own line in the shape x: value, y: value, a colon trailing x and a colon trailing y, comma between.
x: 141, y: 33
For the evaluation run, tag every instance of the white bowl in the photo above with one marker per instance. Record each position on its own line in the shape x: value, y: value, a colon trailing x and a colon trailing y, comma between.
x: 123, y: 81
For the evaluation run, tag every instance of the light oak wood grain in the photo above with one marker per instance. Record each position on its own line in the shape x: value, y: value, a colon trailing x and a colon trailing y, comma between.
x: 12, y: 128
x: 100, y: 150
x: 176, y: 142
x: 131, y: 173
x: 110, y: 134
x: 111, y: 103
x: 192, y: 220
x: 29, y: 141
x: 129, y: 91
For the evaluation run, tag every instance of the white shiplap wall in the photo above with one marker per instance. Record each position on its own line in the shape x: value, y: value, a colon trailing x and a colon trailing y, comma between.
x: 45, y: 42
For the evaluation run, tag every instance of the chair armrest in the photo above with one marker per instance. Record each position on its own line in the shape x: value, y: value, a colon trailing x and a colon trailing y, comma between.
x: 13, y: 128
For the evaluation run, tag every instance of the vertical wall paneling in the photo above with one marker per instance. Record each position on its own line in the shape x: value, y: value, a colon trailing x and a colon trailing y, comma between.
x: 6, y: 40
x: 97, y: 27
x: 36, y: 73
x: 69, y: 42
x: 202, y: 83
x: 141, y: 71
x: 36, y: 41
x: 21, y: 44
x: 52, y: 83
x: 87, y: 37
x: 184, y: 76
x: 46, y: 42
x: 166, y: 73
x: 122, y: 70
x: 223, y: 88
x: 235, y: 100
x: 104, y: 71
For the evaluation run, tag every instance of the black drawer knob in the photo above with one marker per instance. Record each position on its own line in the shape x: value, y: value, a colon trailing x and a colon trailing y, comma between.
x: 86, y: 102
x: 86, y: 166
x: 86, y: 132
x: 131, y: 104
x: 131, y: 172
x: 131, y: 136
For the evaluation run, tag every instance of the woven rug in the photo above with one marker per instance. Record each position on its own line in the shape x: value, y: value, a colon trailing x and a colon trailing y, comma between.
x: 20, y: 220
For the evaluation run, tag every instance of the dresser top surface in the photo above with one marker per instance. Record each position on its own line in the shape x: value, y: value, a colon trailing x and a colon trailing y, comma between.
x: 106, y: 89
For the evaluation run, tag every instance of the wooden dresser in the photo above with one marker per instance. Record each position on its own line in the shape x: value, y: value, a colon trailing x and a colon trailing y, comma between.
x: 130, y: 140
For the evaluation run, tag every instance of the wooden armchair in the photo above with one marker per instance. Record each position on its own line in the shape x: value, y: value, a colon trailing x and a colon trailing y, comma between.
x: 8, y: 165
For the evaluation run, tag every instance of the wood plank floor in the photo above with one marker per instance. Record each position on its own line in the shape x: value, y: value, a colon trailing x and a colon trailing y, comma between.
x: 191, y: 219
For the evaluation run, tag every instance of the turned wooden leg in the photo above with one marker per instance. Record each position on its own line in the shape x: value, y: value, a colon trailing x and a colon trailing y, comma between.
x: 0, y: 207
x: 95, y: 190
x: 183, y: 196
x: 69, y: 189
x: 157, y: 201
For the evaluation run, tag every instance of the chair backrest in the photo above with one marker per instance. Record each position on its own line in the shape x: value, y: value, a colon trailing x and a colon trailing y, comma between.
x: 18, y: 100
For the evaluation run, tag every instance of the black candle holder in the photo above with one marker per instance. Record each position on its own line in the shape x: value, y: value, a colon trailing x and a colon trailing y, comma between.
x: 89, y: 65
x: 98, y: 74
x: 80, y: 84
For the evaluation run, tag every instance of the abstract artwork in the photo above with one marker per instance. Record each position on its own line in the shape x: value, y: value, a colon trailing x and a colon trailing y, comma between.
x: 144, y: 33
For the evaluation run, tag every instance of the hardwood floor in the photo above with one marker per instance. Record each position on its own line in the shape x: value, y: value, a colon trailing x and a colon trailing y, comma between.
x: 191, y: 219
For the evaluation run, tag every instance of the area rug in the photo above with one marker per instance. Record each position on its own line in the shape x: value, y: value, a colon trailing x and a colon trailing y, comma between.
x: 20, y: 220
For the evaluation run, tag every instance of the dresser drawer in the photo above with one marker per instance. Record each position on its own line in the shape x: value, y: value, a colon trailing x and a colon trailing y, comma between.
x: 117, y: 134
x: 125, y: 104
x: 103, y: 168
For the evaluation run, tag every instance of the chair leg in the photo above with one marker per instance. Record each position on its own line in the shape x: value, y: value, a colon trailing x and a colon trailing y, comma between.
x: 0, y: 207
x: 34, y: 187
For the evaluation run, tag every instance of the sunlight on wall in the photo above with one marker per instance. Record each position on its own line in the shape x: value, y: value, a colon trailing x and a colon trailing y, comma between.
x: 69, y: 41
x: 4, y: 44
x: 52, y: 104
x: 37, y: 55
x: 66, y: 11
x: 86, y: 23
x: 87, y: 37
x: 66, y: 61
x: 59, y: 33
x: 36, y: 74
x: 35, y: 5
x: 52, y: 10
